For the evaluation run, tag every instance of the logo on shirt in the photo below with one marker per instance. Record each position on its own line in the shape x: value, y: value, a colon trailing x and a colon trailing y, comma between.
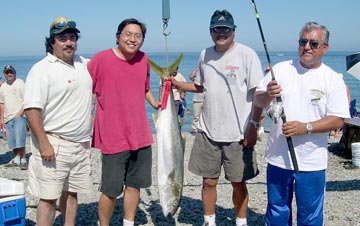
x: 315, y: 96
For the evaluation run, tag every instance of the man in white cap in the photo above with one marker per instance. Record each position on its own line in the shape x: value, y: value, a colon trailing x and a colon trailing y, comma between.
x: 57, y: 103
x: 12, y: 117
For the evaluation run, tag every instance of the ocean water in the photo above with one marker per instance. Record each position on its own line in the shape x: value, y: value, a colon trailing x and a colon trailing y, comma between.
x: 336, y: 60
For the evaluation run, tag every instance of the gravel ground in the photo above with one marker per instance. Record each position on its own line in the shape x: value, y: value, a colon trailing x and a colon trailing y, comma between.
x: 342, y: 204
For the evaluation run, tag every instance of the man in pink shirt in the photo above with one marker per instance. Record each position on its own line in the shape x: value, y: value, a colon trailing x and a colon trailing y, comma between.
x: 122, y: 131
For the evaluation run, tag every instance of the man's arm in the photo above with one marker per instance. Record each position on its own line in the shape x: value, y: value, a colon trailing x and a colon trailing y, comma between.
x: 34, y: 119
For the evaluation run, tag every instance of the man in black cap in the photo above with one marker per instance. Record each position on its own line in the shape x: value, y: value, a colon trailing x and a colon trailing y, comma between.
x: 57, y: 103
x: 12, y: 117
x: 229, y: 72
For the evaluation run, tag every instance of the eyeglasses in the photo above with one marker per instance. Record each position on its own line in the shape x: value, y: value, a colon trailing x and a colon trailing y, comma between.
x: 64, y: 23
x: 221, y: 29
x: 313, y: 43
x: 129, y: 35
x: 8, y: 72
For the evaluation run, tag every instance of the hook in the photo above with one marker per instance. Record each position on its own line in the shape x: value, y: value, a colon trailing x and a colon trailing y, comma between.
x: 165, y: 21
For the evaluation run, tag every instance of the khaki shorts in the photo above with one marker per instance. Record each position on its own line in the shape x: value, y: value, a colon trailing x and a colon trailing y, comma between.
x: 69, y: 172
x: 208, y: 156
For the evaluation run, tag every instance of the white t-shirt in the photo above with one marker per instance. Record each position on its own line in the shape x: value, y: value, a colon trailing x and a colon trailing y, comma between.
x: 308, y: 95
x: 229, y: 80
x: 12, y: 96
x: 64, y: 94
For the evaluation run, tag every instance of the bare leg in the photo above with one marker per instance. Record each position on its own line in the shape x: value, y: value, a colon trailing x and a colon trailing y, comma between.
x: 105, y: 209
x: 209, y: 195
x: 46, y: 212
x: 20, y: 151
x: 131, y: 201
x: 240, y: 198
x: 68, y: 207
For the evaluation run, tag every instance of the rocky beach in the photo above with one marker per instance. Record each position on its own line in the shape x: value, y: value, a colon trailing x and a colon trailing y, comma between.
x: 342, y: 202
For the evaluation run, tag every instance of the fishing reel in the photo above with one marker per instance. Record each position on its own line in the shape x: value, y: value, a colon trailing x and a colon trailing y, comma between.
x: 274, y: 111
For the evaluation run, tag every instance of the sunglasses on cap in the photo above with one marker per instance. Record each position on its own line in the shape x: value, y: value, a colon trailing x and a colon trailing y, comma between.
x: 313, y: 43
x: 63, y: 23
x: 221, y: 29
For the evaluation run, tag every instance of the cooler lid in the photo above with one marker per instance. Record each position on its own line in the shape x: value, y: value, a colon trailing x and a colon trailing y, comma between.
x: 10, y: 187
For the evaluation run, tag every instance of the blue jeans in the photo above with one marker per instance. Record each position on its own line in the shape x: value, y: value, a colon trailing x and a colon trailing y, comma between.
x: 16, y: 131
x: 309, y: 190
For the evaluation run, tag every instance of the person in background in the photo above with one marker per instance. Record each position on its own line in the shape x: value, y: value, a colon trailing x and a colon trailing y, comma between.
x: 182, y: 107
x: 315, y: 102
x: 263, y: 114
x: 229, y: 74
x: 198, y: 99
x: 121, y: 82
x: 337, y: 132
x: 58, y: 108
x: 2, y: 129
x: 12, y: 117
x: 178, y: 77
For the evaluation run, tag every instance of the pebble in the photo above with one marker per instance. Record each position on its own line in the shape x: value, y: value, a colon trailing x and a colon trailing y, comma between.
x: 342, y: 202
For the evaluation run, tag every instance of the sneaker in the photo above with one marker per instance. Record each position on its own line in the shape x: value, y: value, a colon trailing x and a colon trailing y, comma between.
x: 12, y: 163
x: 208, y: 224
x: 23, y: 166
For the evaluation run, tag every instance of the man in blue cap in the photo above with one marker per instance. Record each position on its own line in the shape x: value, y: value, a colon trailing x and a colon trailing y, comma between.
x: 57, y: 103
x: 229, y: 72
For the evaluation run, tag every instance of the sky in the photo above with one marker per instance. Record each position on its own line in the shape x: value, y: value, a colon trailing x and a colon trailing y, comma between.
x: 25, y: 24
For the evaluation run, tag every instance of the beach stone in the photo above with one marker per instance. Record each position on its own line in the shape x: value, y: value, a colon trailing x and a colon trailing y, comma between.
x: 342, y: 201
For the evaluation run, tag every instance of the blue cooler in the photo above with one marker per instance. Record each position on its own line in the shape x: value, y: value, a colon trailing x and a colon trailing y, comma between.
x: 12, y: 203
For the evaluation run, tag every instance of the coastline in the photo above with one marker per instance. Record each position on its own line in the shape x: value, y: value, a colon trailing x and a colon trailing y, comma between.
x: 341, y: 202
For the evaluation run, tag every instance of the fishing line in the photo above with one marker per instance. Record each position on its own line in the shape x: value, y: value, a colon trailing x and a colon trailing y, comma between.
x: 166, y: 17
x: 278, y: 99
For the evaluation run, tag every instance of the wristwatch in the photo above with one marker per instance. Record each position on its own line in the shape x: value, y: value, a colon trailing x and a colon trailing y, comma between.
x: 309, y: 128
x: 255, y: 123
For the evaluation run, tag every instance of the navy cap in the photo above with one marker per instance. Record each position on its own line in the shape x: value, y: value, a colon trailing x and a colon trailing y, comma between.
x: 222, y: 18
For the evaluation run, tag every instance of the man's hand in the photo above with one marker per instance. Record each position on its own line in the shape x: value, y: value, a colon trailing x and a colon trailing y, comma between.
x: 294, y: 128
x: 47, y: 152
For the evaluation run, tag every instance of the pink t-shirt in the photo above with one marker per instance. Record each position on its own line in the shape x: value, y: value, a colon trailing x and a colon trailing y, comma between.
x: 120, y: 86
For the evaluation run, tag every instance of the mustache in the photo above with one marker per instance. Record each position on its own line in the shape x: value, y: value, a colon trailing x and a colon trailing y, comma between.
x: 71, y: 47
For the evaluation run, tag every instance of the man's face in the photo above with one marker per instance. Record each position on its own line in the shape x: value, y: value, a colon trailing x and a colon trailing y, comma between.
x: 311, y: 48
x: 65, y: 46
x: 130, y: 40
x: 10, y: 76
x: 223, y: 37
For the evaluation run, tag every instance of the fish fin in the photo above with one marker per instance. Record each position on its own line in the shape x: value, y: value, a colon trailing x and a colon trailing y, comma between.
x: 175, y: 64
x: 183, y: 140
x: 165, y: 72
x: 154, y: 117
x: 159, y: 70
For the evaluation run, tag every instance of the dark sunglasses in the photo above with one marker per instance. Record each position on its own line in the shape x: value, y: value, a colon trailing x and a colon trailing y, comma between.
x: 313, y: 43
x: 221, y: 29
x: 62, y: 24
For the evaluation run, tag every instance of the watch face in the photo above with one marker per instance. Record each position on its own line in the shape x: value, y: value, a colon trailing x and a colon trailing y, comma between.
x: 309, y: 127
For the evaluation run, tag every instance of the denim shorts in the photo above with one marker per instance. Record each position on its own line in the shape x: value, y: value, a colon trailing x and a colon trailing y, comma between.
x: 16, y: 131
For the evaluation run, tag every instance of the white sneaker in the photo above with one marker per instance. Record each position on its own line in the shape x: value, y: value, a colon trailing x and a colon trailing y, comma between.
x: 261, y: 130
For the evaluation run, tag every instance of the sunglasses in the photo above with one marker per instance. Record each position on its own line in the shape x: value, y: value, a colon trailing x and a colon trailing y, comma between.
x: 313, y: 43
x: 221, y: 29
x: 62, y: 24
x: 129, y: 35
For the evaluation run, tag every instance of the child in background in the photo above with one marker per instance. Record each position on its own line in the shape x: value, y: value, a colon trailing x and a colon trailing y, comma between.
x: 182, y: 107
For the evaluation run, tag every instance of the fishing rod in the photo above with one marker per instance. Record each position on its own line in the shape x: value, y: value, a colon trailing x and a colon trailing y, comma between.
x: 278, y: 99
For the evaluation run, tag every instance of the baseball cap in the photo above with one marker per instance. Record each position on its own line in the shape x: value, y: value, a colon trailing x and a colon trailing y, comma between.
x: 222, y: 18
x: 9, y: 68
x: 62, y: 24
